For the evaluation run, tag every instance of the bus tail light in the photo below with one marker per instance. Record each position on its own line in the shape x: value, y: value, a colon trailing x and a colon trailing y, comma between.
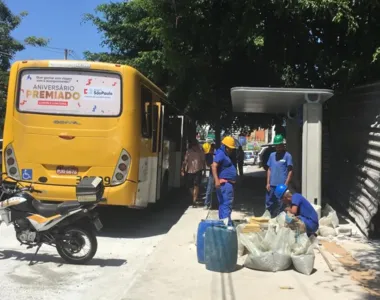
x: 122, y: 168
x: 11, y: 163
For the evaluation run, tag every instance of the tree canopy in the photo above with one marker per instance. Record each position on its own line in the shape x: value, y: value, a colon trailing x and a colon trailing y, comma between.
x: 197, y: 50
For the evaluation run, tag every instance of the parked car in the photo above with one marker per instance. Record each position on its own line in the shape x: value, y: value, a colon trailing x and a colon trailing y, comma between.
x: 264, y: 153
x: 250, y: 157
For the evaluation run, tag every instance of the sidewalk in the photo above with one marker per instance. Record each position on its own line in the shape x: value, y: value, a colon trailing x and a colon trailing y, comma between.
x: 174, y: 273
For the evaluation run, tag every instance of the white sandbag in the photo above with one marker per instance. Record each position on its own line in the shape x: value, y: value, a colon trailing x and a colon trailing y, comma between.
x: 330, y: 221
x: 324, y: 221
x: 263, y: 261
x: 266, y: 215
x: 330, y: 217
x: 269, y: 239
x: 281, y: 261
x: 241, y: 247
x: 301, y: 245
x: 268, y: 261
x: 282, y: 248
x: 303, y: 263
x: 273, y: 222
x: 281, y: 219
x: 334, y: 219
x: 303, y: 254
x: 284, y: 240
x: 273, y: 253
x: 253, y: 242
x: 326, y: 231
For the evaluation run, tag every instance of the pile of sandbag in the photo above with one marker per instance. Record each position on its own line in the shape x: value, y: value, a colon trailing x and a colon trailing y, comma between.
x: 329, y: 223
x: 258, y: 224
x: 269, y: 251
x: 251, y: 225
x: 276, y: 247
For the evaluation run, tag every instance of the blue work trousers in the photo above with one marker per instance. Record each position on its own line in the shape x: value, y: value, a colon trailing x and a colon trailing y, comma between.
x: 225, y: 196
x: 272, y: 204
x: 209, y: 190
x: 311, y: 227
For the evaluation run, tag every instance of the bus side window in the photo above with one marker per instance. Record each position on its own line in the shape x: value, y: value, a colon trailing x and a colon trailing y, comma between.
x: 146, y: 112
x: 166, y: 128
x: 155, y: 129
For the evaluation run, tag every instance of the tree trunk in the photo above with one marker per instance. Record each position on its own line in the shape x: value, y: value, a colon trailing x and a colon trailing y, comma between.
x: 217, y: 132
x: 192, y: 131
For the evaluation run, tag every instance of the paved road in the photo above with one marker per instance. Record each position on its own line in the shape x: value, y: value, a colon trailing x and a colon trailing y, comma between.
x: 128, y: 239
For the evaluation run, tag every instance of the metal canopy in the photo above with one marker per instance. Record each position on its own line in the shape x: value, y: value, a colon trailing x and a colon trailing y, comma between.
x: 274, y: 100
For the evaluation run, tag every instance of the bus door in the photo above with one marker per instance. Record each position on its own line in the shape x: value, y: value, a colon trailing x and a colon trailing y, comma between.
x: 157, y: 142
x: 148, y: 159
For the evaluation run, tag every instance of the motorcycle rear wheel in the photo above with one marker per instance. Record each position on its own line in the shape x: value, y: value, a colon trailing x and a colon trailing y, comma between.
x: 73, y: 243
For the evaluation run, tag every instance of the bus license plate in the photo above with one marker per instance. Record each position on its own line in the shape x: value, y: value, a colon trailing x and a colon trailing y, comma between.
x: 98, y: 224
x: 62, y: 170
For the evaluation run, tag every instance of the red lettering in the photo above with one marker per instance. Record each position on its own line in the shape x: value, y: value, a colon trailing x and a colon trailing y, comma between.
x: 53, y: 103
x: 85, y: 91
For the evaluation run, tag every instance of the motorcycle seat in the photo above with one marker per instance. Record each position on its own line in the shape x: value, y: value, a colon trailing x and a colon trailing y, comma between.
x: 65, y: 207
x: 48, y: 210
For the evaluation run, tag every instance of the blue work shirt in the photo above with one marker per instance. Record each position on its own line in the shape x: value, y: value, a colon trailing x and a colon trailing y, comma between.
x: 209, y: 158
x: 226, y: 169
x: 279, y: 168
x: 306, y: 211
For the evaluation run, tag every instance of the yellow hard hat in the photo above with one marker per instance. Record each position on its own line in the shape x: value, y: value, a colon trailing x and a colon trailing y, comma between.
x: 229, y: 142
x: 206, y: 147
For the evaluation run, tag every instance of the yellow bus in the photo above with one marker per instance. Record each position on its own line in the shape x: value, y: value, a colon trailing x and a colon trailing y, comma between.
x: 66, y: 120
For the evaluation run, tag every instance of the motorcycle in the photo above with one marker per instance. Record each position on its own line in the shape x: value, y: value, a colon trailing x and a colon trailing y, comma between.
x: 68, y: 226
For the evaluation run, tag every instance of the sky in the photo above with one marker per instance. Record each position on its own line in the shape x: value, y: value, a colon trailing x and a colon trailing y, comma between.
x: 60, y: 21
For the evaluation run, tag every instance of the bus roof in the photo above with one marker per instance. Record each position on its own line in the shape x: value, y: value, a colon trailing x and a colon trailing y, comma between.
x: 84, y: 64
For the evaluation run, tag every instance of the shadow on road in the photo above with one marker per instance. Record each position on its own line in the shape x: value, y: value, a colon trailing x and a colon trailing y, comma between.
x: 121, y: 222
x: 250, y: 193
x: 51, y: 258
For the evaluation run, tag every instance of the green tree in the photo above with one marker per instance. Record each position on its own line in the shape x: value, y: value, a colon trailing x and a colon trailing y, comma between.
x: 197, y: 50
x: 133, y: 36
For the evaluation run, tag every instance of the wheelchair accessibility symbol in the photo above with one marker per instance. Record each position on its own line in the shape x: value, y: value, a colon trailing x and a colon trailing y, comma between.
x: 27, y: 174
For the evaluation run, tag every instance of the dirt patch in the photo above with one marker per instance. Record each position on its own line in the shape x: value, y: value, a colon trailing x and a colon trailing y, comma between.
x: 366, y: 277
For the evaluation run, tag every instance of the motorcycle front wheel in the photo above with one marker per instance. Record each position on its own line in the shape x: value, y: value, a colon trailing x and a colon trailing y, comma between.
x: 73, y: 242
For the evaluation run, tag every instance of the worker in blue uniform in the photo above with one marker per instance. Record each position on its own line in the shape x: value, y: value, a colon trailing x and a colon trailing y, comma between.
x: 300, y: 207
x: 280, y: 171
x: 209, y: 150
x: 225, y: 174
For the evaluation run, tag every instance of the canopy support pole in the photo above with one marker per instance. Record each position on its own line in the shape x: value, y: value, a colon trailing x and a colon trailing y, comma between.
x: 312, y: 152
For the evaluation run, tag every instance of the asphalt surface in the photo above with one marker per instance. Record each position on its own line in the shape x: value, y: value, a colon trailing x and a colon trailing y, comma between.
x: 128, y: 239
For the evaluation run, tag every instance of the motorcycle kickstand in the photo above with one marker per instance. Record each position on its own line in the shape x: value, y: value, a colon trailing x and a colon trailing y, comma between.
x: 35, y: 254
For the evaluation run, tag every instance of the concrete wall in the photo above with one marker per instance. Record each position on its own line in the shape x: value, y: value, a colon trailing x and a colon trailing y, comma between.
x: 353, y: 121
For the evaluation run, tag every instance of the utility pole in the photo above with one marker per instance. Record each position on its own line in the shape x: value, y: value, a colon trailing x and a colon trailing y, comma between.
x: 66, y: 53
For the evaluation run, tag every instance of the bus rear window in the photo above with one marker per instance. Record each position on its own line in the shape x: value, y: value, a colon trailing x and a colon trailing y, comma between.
x: 63, y: 92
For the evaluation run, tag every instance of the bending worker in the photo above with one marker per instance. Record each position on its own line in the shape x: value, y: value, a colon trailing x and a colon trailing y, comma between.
x: 224, y: 173
x: 300, y: 207
x: 280, y: 171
